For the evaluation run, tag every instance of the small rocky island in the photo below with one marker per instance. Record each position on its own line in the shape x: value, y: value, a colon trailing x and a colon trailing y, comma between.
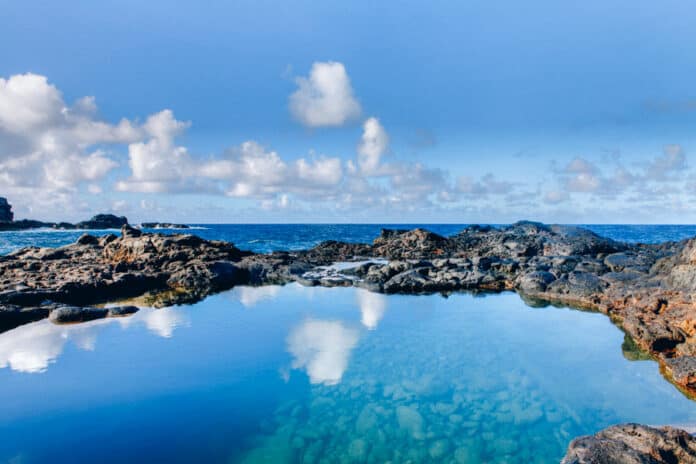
x: 647, y: 290
x: 100, y: 221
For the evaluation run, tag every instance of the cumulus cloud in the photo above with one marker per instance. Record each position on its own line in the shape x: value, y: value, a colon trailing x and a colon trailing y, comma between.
x: 325, y: 97
x: 158, y: 163
x: 373, y: 144
x: 323, y: 349
x: 48, y: 147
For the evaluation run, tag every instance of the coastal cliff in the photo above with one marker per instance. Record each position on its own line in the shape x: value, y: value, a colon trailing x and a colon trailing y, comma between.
x: 647, y: 290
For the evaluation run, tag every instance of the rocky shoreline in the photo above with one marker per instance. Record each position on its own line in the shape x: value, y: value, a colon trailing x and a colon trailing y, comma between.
x: 647, y: 290
x: 97, y: 222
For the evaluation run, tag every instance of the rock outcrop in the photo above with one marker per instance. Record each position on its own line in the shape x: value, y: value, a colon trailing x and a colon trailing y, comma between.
x: 163, y: 225
x: 633, y: 444
x: 103, y: 221
x: 648, y: 290
x: 6, y: 214
x: 100, y: 221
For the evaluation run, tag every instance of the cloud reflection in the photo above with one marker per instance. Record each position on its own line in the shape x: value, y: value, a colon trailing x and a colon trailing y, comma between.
x: 322, y: 348
x: 250, y: 296
x: 33, y: 347
x: 164, y: 321
x: 372, y: 307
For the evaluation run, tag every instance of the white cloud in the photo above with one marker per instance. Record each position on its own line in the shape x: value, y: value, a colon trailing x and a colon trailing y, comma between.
x: 325, y: 98
x: 158, y: 164
x: 47, y: 148
x: 322, y: 348
x: 28, y: 102
x: 373, y: 144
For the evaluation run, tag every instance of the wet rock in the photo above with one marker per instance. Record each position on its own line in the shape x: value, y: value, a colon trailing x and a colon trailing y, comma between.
x: 536, y: 281
x: 650, y: 290
x: 86, y: 239
x: 633, y: 444
x: 120, y: 311
x: 71, y: 314
x: 683, y: 370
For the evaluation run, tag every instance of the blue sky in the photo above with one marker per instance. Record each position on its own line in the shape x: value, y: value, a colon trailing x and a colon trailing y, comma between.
x: 478, y: 111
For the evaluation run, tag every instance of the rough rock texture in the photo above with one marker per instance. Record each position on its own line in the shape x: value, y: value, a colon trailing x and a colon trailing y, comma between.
x: 100, y: 221
x: 163, y: 225
x: 648, y: 290
x: 633, y: 444
x: 5, y: 211
x: 103, y: 221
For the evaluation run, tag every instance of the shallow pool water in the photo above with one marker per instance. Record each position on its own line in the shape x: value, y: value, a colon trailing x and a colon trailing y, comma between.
x: 296, y: 374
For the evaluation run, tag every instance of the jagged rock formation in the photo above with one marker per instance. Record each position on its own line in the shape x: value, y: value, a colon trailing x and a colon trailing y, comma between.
x: 103, y: 221
x: 163, y: 225
x: 633, y: 444
x: 100, y: 221
x: 648, y: 290
x: 6, y: 214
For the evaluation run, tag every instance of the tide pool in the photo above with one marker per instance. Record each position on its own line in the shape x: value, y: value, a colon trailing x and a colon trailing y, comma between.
x: 297, y: 374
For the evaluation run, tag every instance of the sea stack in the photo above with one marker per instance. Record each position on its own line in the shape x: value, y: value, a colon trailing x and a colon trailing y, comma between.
x: 6, y: 214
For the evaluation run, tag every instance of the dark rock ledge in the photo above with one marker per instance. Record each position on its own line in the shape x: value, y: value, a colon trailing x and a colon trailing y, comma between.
x: 647, y: 290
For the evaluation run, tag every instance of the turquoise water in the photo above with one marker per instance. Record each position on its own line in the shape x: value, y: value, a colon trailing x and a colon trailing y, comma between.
x: 268, y: 237
x: 295, y: 374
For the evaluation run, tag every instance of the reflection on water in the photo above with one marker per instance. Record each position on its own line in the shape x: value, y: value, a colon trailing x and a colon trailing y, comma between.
x: 372, y: 307
x: 324, y: 375
x: 322, y: 348
x: 250, y: 296
x: 33, y: 347
x: 164, y: 321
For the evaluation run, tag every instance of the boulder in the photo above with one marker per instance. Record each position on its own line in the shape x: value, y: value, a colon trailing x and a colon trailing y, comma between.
x: 633, y: 444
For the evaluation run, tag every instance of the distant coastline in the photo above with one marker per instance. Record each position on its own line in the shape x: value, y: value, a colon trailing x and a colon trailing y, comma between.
x: 100, y: 221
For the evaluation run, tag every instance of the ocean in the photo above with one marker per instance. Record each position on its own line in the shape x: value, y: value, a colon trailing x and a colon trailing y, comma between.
x: 263, y: 238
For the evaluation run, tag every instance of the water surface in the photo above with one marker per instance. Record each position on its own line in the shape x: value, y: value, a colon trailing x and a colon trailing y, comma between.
x: 263, y: 238
x: 296, y: 374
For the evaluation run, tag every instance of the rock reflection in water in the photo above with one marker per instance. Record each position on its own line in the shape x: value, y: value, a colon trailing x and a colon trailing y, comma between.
x: 33, y: 347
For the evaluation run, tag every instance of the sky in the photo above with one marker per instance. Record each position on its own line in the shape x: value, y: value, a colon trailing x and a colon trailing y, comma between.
x: 304, y: 111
